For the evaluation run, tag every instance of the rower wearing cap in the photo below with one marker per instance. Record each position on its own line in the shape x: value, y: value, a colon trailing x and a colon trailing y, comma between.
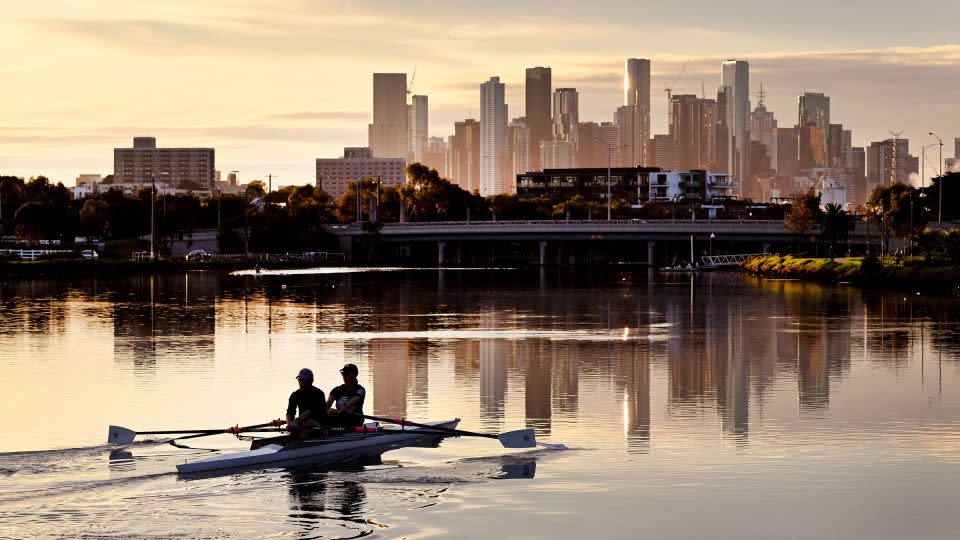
x: 348, y: 398
x: 309, y: 402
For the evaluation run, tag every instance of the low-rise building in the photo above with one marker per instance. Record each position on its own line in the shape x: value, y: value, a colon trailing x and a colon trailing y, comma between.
x: 358, y: 163
x: 636, y: 185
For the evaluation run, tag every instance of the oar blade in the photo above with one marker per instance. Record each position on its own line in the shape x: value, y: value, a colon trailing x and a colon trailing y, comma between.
x: 521, y: 438
x: 120, y: 435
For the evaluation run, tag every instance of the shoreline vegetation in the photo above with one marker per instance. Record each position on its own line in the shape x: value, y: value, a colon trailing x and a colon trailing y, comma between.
x: 868, y: 272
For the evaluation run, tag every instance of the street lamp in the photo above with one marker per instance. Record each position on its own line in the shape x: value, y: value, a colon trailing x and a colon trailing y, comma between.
x: 610, y: 149
x: 153, y: 218
x: 712, y: 236
x: 940, y: 176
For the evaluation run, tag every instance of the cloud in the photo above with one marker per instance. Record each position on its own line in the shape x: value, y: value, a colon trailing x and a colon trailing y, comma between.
x: 322, y: 116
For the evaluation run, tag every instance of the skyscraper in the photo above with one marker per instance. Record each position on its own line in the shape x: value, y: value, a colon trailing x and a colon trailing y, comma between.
x: 539, y: 85
x: 763, y: 128
x: 735, y: 77
x: 418, y: 128
x: 566, y: 115
x: 518, y: 150
x: 628, y: 136
x: 691, y: 124
x: 814, y: 110
x: 493, y: 138
x: 636, y: 94
x: 388, y: 132
x: 464, y: 162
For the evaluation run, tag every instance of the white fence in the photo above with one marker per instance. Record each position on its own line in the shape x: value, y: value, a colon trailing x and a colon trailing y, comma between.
x: 32, y: 254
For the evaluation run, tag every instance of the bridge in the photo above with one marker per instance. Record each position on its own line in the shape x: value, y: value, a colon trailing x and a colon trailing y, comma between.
x: 722, y: 261
x: 571, y: 241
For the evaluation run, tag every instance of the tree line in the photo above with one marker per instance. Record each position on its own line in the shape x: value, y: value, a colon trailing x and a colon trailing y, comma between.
x: 296, y: 218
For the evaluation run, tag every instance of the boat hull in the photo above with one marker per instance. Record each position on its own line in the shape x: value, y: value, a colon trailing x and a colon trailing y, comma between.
x: 320, y: 450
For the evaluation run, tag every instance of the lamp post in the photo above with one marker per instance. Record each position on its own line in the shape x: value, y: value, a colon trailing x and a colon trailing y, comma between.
x: 153, y: 218
x: 940, y: 176
x: 610, y: 149
x: 1, y: 208
x: 712, y: 236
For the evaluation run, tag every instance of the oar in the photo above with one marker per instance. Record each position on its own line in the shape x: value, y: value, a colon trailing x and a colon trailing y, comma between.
x: 521, y: 438
x: 122, y: 435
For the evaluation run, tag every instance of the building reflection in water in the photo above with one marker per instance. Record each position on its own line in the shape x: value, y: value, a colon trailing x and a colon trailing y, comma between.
x: 170, y: 316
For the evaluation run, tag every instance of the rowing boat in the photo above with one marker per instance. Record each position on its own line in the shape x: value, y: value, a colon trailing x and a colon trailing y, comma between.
x: 265, y: 453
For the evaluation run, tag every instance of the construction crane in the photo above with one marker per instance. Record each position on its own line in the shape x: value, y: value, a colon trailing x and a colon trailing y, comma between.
x: 412, y: 77
x: 669, y: 90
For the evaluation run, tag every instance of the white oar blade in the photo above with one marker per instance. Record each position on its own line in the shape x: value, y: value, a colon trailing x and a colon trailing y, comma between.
x: 120, y: 435
x: 521, y: 438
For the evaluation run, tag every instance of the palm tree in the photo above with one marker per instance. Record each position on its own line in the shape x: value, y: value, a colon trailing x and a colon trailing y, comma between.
x: 835, y: 225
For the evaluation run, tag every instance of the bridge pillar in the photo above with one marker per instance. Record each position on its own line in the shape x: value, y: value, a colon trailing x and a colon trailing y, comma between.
x: 766, y: 247
x: 441, y: 253
x: 543, y: 252
x: 650, y: 253
x: 346, y: 246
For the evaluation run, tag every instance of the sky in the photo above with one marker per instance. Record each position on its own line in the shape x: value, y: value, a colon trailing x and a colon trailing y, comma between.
x: 273, y: 85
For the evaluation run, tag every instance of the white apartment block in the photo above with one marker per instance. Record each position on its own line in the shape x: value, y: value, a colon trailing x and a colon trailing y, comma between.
x: 493, y: 138
x: 357, y: 163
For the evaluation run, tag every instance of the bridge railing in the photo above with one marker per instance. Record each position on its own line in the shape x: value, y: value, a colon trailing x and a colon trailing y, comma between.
x: 560, y: 222
x: 727, y: 260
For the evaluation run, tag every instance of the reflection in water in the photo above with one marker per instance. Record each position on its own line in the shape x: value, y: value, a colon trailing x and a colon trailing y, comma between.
x: 713, y: 369
x: 314, y: 499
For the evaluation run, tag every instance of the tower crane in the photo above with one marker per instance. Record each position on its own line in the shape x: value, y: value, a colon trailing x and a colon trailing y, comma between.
x: 669, y: 89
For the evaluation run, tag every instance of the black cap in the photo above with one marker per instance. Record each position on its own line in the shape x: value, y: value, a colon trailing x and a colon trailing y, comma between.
x: 350, y: 368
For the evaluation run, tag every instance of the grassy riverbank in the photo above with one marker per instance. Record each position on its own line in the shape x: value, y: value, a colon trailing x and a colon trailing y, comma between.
x: 873, y: 273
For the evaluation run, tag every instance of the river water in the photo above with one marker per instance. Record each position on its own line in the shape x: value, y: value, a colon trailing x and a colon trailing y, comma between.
x: 712, y: 405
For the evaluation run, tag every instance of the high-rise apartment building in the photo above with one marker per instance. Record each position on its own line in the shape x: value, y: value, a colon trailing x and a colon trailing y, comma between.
x: 590, y: 151
x: 735, y: 79
x: 566, y: 115
x: 854, y: 159
x: 388, y: 133
x: 464, y: 159
x: 788, y: 163
x: 175, y: 167
x: 493, y: 138
x: 539, y: 85
x: 692, y: 125
x: 358, y: 163
x: 557, y: 154
x: 518, y: 149
x: 888, y: 162
x: 418, y: 128
x: 665, y: 153
x: 763, y: 128
x: 814, y: 110
x: 628, y: 136
x: 435, y: 156
x: 636, y: 94
x: 956, y: 148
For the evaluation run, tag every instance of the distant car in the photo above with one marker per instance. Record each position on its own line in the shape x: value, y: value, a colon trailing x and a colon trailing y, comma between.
x: 89, y: 254
x: 198, y: 255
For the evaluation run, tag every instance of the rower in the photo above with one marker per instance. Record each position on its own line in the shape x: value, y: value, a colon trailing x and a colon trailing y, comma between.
x: 308, y: 401
x: 348, y: 398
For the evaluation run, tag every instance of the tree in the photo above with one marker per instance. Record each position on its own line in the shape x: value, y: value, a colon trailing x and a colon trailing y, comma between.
x: 835, y: 226
x: 889, y: 206
x: 255, y: 188
x: 94, y: 217
x: 804, y: 211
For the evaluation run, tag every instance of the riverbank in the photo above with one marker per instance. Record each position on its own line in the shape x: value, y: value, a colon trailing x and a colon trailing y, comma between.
x: 116, y: 267
x: 853, y: 270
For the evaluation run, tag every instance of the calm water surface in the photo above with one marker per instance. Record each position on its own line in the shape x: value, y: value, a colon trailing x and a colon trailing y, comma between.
x: 693, y: 406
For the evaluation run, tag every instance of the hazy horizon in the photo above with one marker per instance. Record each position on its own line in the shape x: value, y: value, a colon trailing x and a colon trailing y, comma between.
x: 272, y: 87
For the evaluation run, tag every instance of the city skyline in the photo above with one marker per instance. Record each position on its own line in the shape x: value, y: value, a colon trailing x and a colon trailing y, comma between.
x: 260, y: 105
